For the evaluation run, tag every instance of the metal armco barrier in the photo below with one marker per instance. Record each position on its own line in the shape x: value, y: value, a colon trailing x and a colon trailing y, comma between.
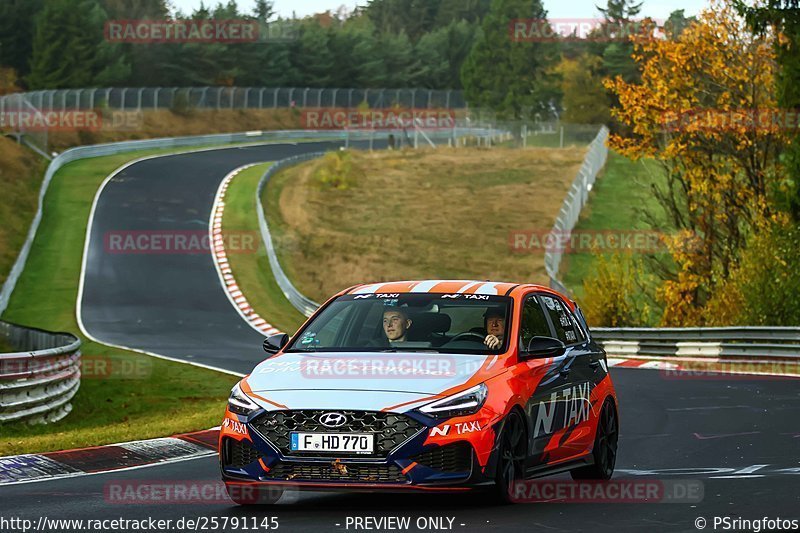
x: 300, y: 302
x: 764, y: 343
x: 576, y: 198
x: 97, y: 150
x: 37, y: 384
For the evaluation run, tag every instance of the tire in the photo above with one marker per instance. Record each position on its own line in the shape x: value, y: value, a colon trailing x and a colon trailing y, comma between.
x: 244, y: 494
x: 511, y: 455
x: 605, y: 446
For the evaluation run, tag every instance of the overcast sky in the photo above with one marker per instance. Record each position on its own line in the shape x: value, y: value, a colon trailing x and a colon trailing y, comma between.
x: 658, y: 9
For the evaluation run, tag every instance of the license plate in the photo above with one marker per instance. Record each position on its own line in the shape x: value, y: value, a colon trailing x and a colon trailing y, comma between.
x: 332, y: 442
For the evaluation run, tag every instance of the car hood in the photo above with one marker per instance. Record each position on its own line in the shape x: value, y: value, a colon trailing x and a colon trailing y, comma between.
x: 362, y: 380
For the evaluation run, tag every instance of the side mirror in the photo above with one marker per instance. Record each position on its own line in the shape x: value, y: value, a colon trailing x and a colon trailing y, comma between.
x: 543, y: 347
x: 274, y: 343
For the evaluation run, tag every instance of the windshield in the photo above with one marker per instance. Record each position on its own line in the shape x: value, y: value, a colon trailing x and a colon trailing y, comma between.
x: 452, y: 323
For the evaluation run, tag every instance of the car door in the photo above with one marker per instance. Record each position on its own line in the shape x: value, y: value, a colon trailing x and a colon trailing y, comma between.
x: 579, y: 369
x: 547, y: 382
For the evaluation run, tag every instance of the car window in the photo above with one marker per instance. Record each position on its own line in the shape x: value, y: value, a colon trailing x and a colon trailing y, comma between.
x: 534, y: 322
x: 452, y: 323
x: 566, y: 326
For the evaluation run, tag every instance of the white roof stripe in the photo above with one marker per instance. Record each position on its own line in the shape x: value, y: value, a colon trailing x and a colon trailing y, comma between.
x: 468, y: 286
x: 369, y: 289
x: 425, y: 286
x: 487, y: 288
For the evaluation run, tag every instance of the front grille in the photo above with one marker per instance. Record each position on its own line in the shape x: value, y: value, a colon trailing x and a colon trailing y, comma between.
x: 336, y: 471
x: 239, y: 454
x: 390, y: 429
x: 456, y: 457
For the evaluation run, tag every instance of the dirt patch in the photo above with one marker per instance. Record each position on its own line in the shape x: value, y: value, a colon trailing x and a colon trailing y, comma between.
x: 447, y: 213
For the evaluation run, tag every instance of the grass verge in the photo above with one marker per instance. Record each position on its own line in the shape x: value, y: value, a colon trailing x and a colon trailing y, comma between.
x: 445, y: 213
x: 21, y: 174
x: 141, y: 397
x: 252, y: 270
x: 617, y: 203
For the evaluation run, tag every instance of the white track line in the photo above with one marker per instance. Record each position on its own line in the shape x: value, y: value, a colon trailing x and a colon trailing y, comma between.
x: 102, y: 472
x: 82, y: 280
x: 220, y: 258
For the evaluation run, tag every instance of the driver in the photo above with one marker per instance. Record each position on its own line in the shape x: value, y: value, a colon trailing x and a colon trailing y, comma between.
x: 395, y: 324
x: 495, y: 323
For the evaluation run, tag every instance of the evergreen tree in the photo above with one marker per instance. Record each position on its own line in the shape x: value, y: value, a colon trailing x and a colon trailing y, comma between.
x: 412, y: 17
x: 676, y: 23
x: 784, y: 15
x: 507, y: 76
x: 456, y: 10
x: 16, y: 33
x: 442, y: 52
x: 618, y: 24
x: 311, y: 56
x: 69, y: 48
x: 149, y: 66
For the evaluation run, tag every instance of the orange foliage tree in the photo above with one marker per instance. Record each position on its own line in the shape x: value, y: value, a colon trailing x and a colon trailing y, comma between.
x: 705, y: 109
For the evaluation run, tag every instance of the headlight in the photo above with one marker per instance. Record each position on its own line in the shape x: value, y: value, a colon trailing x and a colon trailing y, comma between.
x: 467, y: 402
x: 240, y: 403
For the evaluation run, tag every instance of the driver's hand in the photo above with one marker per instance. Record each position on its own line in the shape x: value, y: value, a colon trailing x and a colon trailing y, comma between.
x: 492, y: 342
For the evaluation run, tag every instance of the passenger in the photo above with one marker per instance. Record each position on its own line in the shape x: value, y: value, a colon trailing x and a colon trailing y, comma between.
x: 495, y: 322
x: 395, y: 324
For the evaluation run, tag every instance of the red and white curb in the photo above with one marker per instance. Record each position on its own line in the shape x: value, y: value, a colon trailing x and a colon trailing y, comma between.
x: 633, y: 363
x: 220, y: 257
x: 29, y: 468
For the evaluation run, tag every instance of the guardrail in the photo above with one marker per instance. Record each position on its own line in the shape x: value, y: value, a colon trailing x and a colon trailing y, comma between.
x: 97, y: 150
x: 38, y: 383
x: 759, y: 343
x: 576, y: 198
x: 302, y: 303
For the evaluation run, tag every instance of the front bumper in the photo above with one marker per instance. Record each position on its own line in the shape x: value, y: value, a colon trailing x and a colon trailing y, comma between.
x: 406, y: 456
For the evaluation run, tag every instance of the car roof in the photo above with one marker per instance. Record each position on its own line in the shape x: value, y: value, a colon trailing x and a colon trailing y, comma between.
x: 447, y: 286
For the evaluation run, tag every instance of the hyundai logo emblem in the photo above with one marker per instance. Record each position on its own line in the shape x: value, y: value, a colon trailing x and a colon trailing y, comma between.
x: 333, y: 420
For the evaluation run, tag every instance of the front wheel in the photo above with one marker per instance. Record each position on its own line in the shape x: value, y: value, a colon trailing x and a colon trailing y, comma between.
x: 511, y: 456
x: 605, y: 446
x: 247, y: 494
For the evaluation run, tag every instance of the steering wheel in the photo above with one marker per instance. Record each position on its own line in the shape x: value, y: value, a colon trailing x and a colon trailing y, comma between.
x: 461, y: 336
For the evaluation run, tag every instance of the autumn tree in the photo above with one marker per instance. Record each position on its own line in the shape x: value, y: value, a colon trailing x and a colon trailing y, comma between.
x: 584, y: 100
x: 693, y: 112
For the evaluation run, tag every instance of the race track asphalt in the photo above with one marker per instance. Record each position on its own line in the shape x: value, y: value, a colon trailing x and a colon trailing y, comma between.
x: 169, y: 303
x: 738, y: 436
x: 673, y: 428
